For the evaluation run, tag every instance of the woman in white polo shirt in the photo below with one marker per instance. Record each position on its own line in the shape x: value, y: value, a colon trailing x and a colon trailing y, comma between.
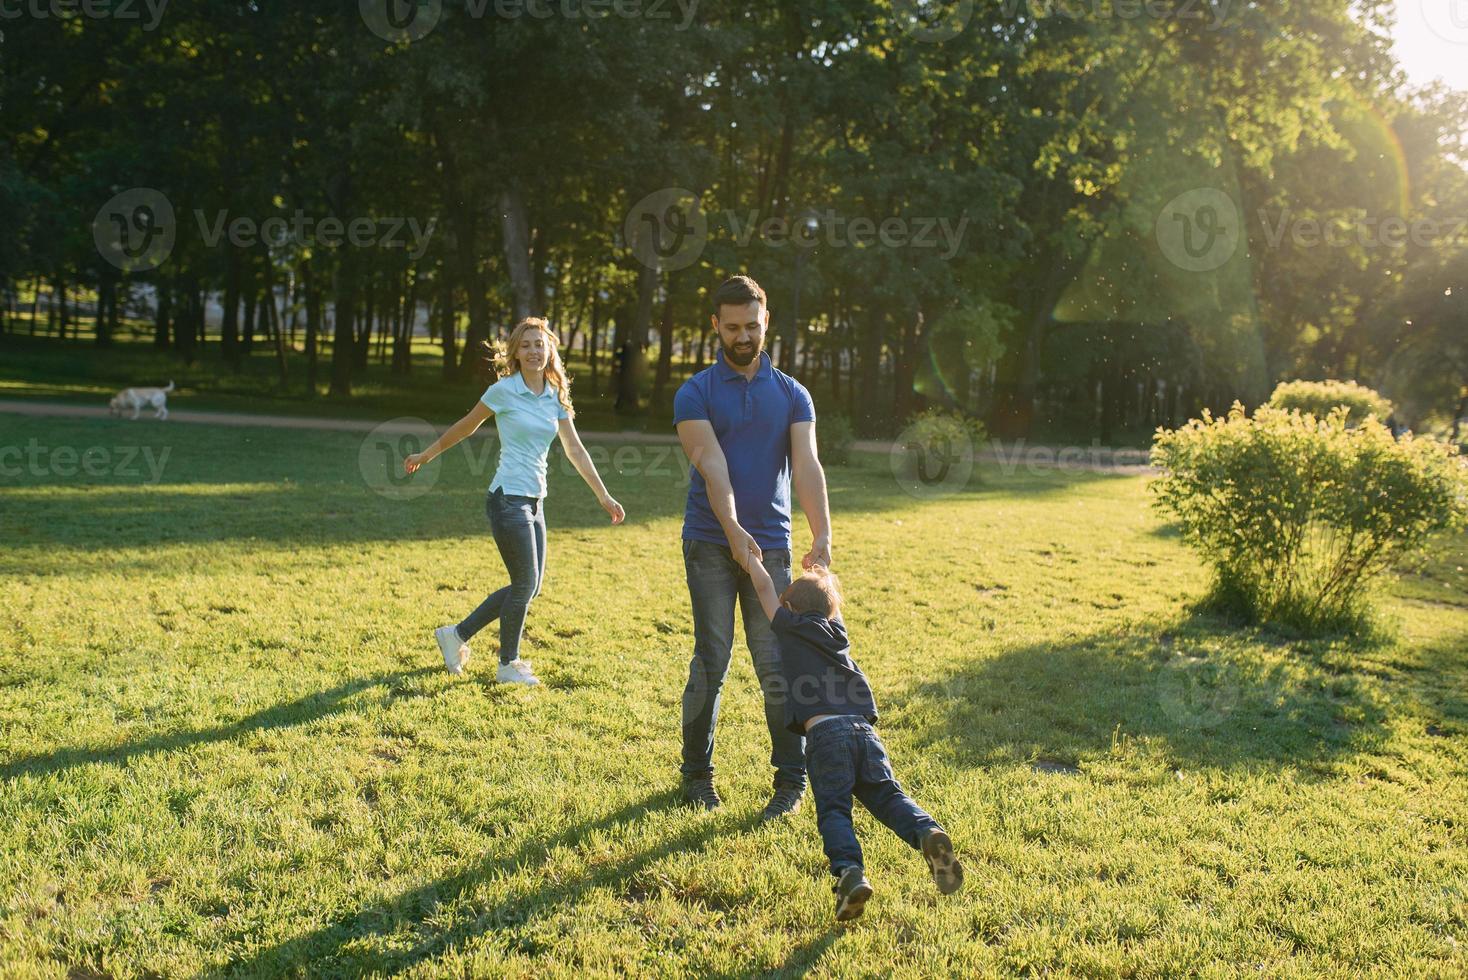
x: 531, y: 403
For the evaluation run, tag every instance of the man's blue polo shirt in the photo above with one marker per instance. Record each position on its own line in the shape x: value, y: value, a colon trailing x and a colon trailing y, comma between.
x: 752, y: 421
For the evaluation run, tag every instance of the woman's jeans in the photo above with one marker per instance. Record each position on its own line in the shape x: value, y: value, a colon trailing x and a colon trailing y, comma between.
x: 518, y: 524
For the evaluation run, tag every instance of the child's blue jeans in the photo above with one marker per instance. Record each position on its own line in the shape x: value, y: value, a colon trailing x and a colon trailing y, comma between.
x: 844, y: 757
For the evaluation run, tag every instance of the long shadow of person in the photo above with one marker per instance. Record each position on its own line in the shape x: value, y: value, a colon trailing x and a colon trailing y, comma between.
x: 301, y: 711
x: 338, y: 949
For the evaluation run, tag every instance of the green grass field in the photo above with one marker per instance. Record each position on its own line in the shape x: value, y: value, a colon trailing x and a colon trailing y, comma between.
x: 228, y: 746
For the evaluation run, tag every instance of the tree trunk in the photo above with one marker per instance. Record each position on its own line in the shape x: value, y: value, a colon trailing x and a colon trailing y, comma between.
x: 593, y: 339
x: 59, y: 293
x: 447, y: 326
x: 229, y: 336
x: 313, y: 327
x: 343, y: 344
x: 247, y: 332
x: 106, y: 299
x: 185, y: 327
x: 665, y: 344
x: 161, y: 316
x: 515, y: 231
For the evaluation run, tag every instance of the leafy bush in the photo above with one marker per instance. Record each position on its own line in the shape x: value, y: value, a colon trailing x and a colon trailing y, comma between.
x: 1297, y: 514
x: 836, y: 437
x: 1320, y: 398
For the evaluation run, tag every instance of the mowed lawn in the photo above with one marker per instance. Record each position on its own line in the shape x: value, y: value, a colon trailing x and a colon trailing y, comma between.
x: 228, y: 745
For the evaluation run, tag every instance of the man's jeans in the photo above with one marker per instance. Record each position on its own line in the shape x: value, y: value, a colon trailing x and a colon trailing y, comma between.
x: 714, y: 582
x: 846, y: 757
x: 518, y: 524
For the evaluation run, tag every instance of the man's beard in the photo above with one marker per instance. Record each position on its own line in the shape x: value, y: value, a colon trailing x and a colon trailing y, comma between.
x: 743, y: 359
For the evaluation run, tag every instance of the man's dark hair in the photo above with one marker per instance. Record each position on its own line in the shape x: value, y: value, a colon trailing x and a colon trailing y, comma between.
x: 738, y: 291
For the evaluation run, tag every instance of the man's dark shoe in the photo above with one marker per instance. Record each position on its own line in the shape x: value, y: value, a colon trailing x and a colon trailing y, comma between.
x: 852, y: 892
x: 785, y: 802
x: 699, y: 791
x: 938, y: 852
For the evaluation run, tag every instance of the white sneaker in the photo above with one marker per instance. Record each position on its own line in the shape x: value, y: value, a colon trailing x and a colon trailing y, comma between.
x: 455, y: 651
x: 517, y: 672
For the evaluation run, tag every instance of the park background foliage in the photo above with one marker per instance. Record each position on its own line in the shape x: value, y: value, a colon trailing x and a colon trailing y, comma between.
x: 1054, y: 137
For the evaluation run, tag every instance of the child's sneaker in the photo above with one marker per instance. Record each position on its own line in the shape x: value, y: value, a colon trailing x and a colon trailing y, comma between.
x: 455, y: 651
x: 938, y: 852
x: 852, y: 892
x: 517, y: 672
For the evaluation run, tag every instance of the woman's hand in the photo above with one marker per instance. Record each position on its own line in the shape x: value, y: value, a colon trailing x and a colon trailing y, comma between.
x: 411, y: 463
x: 613, y: 508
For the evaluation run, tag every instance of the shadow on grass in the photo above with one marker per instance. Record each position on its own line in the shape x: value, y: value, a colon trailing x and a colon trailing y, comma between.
x: 312, y: 707
x: 338, y: 949
x: 1216, y: 695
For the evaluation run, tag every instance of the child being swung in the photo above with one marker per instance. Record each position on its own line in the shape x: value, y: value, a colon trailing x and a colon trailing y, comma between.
x: 829, y: 700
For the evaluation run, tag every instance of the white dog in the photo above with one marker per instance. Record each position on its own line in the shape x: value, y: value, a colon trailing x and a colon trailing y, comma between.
x: 139, y: 398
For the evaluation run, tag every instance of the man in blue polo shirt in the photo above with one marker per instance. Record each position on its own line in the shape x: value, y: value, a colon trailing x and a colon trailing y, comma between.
x: 749, y: 432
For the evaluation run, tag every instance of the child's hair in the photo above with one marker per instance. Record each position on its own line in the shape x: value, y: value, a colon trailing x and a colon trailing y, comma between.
x: 816, y: 591
x: 505, y: 359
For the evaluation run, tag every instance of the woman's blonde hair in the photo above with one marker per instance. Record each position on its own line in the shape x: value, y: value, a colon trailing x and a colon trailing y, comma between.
x: 506, y: 358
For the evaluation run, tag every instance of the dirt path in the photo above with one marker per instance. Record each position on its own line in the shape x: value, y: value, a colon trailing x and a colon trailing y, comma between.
x: 1011, y: 456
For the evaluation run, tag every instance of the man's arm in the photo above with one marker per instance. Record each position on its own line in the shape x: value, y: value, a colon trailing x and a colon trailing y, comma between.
x: 701, y: 446
x: 810, y: 489
x: 764, y: 587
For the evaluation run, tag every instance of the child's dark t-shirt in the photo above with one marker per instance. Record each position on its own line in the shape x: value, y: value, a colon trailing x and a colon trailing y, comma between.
x: 820, y: 676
